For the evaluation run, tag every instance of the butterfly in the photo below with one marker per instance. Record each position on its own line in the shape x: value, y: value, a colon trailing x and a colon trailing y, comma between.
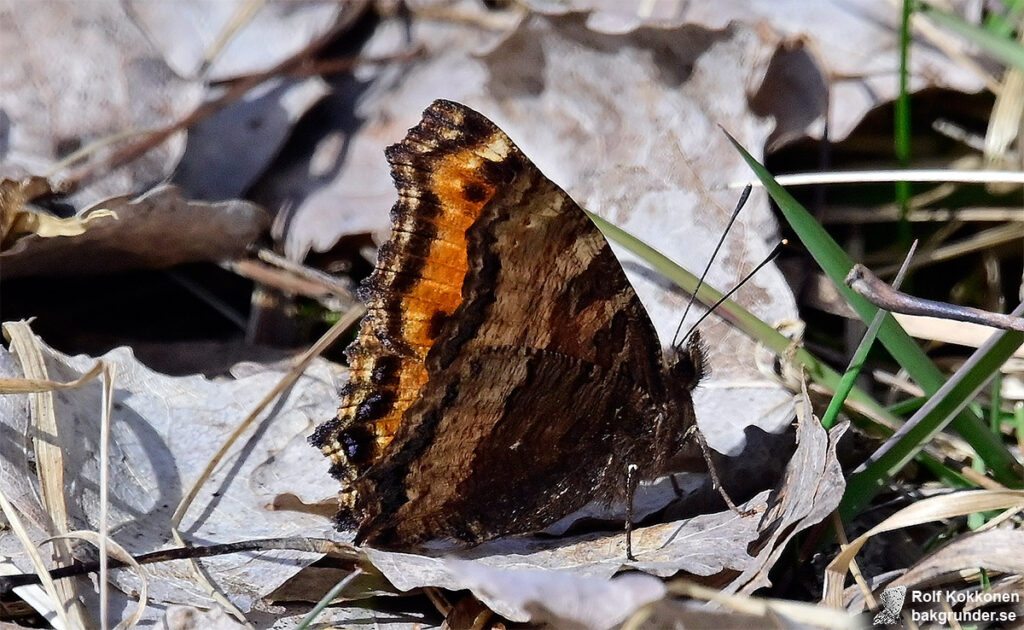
x: 505, y: 374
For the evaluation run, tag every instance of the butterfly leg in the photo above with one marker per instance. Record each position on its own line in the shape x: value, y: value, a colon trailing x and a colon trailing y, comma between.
x: 695, y: 433
x: 631, y: 482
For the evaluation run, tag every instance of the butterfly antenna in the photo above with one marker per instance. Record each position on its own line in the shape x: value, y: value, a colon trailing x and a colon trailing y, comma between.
x: 739, y: 206
x: 772, y: 256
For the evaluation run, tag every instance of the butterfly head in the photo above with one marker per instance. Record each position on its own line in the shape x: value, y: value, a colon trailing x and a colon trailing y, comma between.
x: 687, y: 362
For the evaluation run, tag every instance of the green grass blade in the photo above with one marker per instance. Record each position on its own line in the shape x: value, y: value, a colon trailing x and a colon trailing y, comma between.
x: 732, y: 312
x: 836, y: 264
x: 765, y: 334
x: 902, y: 130
x: 1005, y: 49
x: 326, y: 600
x: 932, y: 418
x: 861, y: 354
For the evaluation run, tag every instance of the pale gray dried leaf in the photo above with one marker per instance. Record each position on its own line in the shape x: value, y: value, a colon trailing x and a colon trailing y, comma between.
x: 996, y: 550
x: 156, y: 230
x: 811, y: 489
x: 189, y: 618
x: 189, y: 32
x: 855, y: 41
x: 650, y: 159
x: 164, y: 431
x: 704, y: 545
x: 288, y: 616
x: 79, y: 72
x: 559, y: 598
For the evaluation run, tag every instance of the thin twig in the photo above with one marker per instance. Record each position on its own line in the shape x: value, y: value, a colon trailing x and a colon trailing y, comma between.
x: 312, y: 545
x: 874, y: 290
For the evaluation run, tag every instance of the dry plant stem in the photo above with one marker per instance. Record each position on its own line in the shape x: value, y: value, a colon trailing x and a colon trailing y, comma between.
x: 951, y: 45
x: 294, y: 278
x: 936, y: 251
x: 883, y: 296
x: 858, y: 577
x: 323, y: 546
x: 439, y: 601
x: 121, y: 555
x: 937, y: 176
x: 800, y: 612
x: 243, y: 15
x: 41, y: 575
x: 283, y: 281
x: 859, y: 216
x: 938, y: 396
x: 109, y: 374
x: 923, y: 511
x: 631, y: 481
x: 705, y: 451
x: 972, y: 475
x: 49, y: 460
x: 34, y: 385
x: 322, y: 344
x: 331, y: 595
x: 303, y: 271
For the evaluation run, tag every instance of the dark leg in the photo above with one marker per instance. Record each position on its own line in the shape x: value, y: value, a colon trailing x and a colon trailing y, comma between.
x: 715, y: 481
x: 631, y: 482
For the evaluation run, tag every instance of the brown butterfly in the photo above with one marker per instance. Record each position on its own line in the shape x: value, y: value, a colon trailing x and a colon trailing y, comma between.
x: 505, y: 373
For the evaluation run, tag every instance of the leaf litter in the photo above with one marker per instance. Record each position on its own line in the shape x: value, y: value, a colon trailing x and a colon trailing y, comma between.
x: 649, y: 159
x: 164, y: 429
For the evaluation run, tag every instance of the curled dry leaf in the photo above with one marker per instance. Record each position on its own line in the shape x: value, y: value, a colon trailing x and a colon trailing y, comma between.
x: 156, y: 230
x: 923, y: 511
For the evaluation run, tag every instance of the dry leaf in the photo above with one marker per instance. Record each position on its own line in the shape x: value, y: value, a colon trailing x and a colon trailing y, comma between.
x: 994, y: 550
x: 228, y: 38
x: 18, y: 219
x: 839, y: 56
x: 923, y: 511
x: 188, y: 618
x: 164, y: 429
x: 77, y: 73
x: 157, y: 230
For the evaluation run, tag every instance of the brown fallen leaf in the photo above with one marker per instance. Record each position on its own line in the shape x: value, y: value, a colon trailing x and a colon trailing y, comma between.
x: 156, y: 230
